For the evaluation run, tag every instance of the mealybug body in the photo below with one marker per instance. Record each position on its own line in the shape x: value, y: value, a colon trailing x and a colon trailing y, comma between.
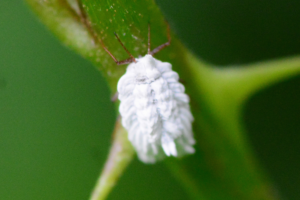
x: 154, y: 108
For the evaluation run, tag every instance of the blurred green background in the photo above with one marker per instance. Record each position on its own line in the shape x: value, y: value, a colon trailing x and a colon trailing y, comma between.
x: 56, y: 117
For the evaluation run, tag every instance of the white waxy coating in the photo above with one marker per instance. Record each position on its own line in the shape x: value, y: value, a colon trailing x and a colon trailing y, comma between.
x: 155, y: 110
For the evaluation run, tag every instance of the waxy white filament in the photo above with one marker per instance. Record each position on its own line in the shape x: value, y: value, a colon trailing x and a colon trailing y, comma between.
x: 155, y: 110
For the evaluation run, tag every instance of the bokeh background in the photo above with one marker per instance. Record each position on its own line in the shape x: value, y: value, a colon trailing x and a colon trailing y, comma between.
x: 56, y: 116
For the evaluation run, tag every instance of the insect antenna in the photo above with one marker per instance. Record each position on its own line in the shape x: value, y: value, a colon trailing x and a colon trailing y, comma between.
x: 149, y: 40
x: 161, y: 47
x: 132, y: 58
x: 122, y: 62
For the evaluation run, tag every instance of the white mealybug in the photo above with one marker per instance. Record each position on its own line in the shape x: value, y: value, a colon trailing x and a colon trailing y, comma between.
x: 154, y: 108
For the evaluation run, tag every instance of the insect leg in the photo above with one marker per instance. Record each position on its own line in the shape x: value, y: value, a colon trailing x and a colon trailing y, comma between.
x: 115, y: 97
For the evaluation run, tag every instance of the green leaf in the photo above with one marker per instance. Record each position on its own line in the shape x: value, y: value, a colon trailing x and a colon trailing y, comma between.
x: 224, y: 166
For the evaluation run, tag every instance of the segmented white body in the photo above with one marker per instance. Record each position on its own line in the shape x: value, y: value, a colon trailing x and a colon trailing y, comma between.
x: 155, y: 110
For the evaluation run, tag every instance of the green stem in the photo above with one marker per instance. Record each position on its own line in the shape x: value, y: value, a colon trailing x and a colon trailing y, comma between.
x: 120, y: 155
